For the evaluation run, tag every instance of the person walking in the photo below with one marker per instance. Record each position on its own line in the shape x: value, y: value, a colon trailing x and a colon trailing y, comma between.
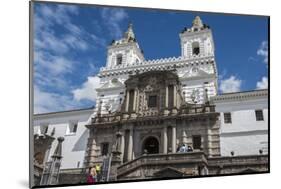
x: 91, y: 176
x: 98, y: 170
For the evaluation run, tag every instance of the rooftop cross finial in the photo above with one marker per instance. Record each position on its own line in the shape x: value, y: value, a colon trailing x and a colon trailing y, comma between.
x: 197, y: 22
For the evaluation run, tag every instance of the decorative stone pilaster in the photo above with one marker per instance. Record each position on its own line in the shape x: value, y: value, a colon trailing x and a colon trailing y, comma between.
x: 135, y: 100
x: 127, y: 101
x: 122, y: 145
x: 167, y: 97
x: 130, y: 145
x: 165, y: 140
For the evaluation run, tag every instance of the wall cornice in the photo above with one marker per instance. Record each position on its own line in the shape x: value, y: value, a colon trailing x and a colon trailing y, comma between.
x: 239, y: 96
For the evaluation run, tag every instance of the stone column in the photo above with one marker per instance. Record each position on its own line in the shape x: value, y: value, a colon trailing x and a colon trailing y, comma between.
x: 130, y: 145
x: 135, y: 100
x: 174, y: 138
x: 127, y: 101
x: 167, y: 97
x: 165, y: 140
x: 175, y: 96
x: 122, y: 146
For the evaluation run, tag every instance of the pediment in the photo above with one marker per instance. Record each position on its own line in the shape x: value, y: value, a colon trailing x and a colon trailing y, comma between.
x: 114, y: 83
x: 169, y: 172
x: 195, y: 72
x: 249, y: 170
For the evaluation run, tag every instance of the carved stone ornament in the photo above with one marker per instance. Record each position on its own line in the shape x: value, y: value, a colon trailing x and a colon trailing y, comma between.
x: 195, y: 95
x: 148, y: 88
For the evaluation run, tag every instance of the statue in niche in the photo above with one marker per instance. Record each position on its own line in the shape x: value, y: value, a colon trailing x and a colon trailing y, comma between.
x: 195, y: 96
x: 108, y: 106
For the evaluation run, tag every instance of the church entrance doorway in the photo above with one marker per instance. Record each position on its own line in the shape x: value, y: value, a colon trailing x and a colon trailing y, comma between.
x: 151, y: 145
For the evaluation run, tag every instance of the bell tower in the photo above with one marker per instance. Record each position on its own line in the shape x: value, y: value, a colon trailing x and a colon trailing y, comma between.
x: 197, y: 41
x: 125, y: 51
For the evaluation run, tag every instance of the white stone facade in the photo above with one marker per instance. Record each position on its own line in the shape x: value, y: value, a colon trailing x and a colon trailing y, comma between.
x: 197, y: 72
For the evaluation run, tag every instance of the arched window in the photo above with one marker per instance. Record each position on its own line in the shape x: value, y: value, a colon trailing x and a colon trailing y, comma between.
x: 195, y: 48
x: 119, y: 59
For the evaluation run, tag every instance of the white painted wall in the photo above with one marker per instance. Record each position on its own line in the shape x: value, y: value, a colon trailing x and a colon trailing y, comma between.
x: 74, y: 145
x: 245, y: 135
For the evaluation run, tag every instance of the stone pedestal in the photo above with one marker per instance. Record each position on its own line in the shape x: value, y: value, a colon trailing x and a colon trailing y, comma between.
x: 166, y: 112
x: 133, y: 116
x: 125, y: 116
x: 174, y: 111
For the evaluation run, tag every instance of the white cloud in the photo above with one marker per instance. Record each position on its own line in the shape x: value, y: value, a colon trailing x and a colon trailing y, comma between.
x: 54, y: 62
x: 263, y: 84
x: 231, y: 84
x: 112, y: 18
x: 99, y: 41
x: 88, y: 89
x: 51, y: 64
x: 263, y: 51
x: 51, y: 102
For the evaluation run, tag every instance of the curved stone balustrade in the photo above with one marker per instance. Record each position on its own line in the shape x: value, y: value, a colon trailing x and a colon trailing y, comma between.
x: 173, y: 158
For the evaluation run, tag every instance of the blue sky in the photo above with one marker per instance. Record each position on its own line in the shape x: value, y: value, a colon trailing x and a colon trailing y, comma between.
x: 70, y: 47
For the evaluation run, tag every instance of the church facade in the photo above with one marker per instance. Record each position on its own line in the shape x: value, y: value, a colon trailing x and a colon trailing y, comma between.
x: 148, y: 110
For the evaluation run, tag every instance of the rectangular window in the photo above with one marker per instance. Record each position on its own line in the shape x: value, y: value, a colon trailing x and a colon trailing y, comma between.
x: 196, y: 140
x: 196, y: 50
x: 72, y: 128
x: 44, y: 129
x: 152, y: 101
x: 104, y: 149
x: 259, y: 115
x: 227, y: 117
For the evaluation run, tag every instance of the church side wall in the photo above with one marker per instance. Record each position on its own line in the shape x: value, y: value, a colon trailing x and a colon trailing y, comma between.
x: 74, y: 145
x: 243, y: 129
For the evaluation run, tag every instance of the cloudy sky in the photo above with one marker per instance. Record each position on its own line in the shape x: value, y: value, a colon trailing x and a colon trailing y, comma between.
x: 70, y: 47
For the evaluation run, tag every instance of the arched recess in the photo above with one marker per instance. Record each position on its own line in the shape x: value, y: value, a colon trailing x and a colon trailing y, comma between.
x: 151, y: 145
